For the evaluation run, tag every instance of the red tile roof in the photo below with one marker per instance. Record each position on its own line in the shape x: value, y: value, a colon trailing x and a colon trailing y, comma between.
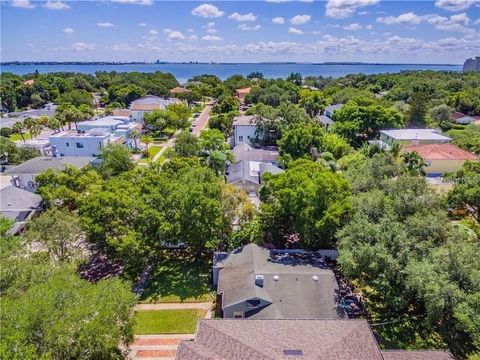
x: 440, y: 152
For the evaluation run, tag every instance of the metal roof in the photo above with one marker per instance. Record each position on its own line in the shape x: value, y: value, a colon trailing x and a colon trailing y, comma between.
x: 415, y: 134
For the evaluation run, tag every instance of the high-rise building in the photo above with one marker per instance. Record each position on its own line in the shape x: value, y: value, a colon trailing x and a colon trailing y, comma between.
x: 472, y: 64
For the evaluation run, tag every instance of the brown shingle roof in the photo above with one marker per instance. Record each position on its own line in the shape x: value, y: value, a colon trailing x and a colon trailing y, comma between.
x: 145, y: 107
x: 179, y: 90
x: 223, y: 339
x: 268, y: 339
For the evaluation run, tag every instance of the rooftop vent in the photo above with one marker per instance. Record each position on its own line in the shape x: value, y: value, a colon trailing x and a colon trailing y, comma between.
x: 315, y: 278
x: 292, y: 352
x: 276, y: 277
x: 259, y: 280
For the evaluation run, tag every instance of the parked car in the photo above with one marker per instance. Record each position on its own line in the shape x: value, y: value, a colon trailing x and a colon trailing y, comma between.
x: 194, y: 123
x: 191, y: 129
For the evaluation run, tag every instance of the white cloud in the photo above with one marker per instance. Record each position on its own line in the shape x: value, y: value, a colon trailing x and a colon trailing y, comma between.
x: 190, y: 30
x: 68, y: 31
x: 477, y: 22
x: 284, y: 1
x: 245, y: 27
x: 134, y: 2
x: 407, y: 18
x: 142, y: 24
x: 245, y: 17
x: 278, y: 20
x: 175, y: 35
x: 56, y: 5
x: 207, y: 11
x: 211, y: 24
x: 211, y: 38
x: 339, y: 9
x: 155, y: 32
x: 363, y: 13
x: 369, y: 27
x: 455, y: 23
x: 211, y: 31
x: 105, y: 24
x: 24, y: 4
x: 193, y: 37
x: 80, y: 46
x: 300, y: 19
x: 122, y: 47
x: 353, y: 27
x: 292, y: 30
x: 455, y: 5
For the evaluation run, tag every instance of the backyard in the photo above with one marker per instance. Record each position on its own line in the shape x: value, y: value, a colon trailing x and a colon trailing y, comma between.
x: 182, y: 321
x: 178, y: 277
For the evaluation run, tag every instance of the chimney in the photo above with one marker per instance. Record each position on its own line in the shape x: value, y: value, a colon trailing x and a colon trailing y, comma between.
x: 259, y: 280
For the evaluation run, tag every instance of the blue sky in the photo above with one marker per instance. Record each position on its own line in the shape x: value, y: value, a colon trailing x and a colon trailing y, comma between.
x: 440, y: 31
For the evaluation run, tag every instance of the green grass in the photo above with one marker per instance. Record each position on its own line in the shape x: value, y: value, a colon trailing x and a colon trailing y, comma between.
x: 153, y: 150
x: 15, y: 137
x: 178, y: 277
x: 167, y: 321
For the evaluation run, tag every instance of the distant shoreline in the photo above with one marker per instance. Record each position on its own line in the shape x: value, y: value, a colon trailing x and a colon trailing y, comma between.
x: 23, y: 63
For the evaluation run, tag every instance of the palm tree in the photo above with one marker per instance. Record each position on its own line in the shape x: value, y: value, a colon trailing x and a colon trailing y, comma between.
x: 395, y: 150
x: 146, y: 139
x: 414, y: 163
x: 135, y: 135
x: 19, y: 128
x: 32, y: 127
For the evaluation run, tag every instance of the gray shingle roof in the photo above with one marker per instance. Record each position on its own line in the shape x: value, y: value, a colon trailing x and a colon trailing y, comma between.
x: 333, y: 107
x: 246, y: 152
x: 240, y: 171
x: 325, y: 120
x: 274, y: 339
x: 244, y: 120
x: 41, y: 163
x: 17, y: 203
x: 294, y: 295
x: 269, y: 339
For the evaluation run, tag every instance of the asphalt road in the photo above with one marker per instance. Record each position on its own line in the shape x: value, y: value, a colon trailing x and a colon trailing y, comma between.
x: 202, y: 121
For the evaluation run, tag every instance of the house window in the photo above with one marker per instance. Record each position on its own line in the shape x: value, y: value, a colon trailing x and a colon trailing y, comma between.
x: 238, y: 315
x: 67, y: 144
x: 240, y: 138
x: 79, y: 145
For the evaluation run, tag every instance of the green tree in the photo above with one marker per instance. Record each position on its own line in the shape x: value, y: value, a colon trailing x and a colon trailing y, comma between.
x: 67, y: 318
x: 414, y: 163
x: 418, y: 104
x: 116, y: 159
x: 147, y: 140
x: 19, y: 128
x: 186, y: 145
x: 59, y: 233
x: 308, y: 200
x: 466, y: 190
x: 313, y: 101
x: 442, y: 114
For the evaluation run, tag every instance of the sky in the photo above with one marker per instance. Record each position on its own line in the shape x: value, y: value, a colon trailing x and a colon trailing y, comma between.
x: 436, y: 31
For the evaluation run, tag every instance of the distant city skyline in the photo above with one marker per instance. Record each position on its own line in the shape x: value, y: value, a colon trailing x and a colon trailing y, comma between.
x: 437, y: 32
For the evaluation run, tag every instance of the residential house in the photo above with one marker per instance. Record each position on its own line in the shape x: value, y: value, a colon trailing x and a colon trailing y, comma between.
x: 40, y: 144
x: 441, y: 158
x: 92, y: 136
x: 247, y: 152
x: 74, y: 143
x: 242, y: 93
x: 244, y: 129
x: 179, y: 90
x: 17, y: 205
x: 147, y: 104
x: 253, y: 282
x: 310, y: 339
x: 407, y: 137
x: 463, y: 119
x: 329, y: 110
x: 247, y: 175
x: 48, y: 110
x: 122, y: 112
x: 23, y: 175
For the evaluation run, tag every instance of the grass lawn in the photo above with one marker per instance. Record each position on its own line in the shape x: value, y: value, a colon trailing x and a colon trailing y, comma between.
x: 15, y: 137
x: 153, y: 150
x: 167, y: 321
x: 178, y: 277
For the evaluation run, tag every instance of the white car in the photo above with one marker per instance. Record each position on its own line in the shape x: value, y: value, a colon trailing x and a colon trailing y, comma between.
x: 194, y: 123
